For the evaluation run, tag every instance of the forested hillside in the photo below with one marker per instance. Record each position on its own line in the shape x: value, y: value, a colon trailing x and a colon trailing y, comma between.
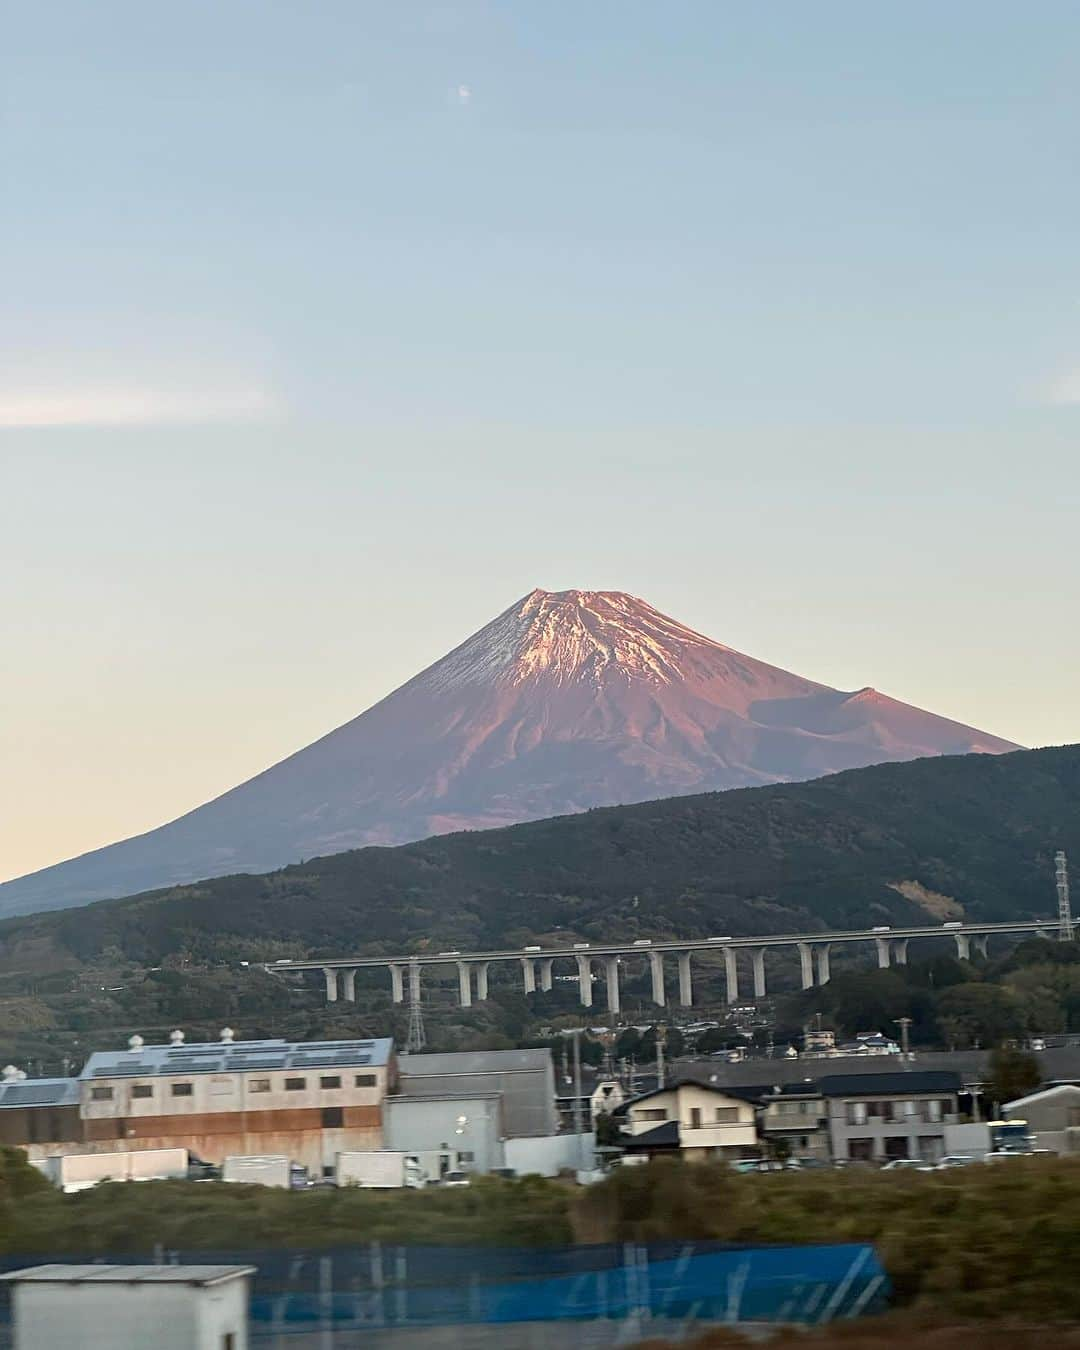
x: 971, y: 835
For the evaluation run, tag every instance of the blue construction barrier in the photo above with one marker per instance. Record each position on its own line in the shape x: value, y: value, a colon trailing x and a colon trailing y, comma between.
x: 389, y: 1286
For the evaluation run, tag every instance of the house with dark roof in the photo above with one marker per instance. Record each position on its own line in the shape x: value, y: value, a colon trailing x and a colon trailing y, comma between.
x: 694, y: 1120
x: 880, y: 1117
x: 794, y: 1122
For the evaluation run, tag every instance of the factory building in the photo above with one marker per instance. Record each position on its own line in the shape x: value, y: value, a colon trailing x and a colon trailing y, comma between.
x: 523, y: 1079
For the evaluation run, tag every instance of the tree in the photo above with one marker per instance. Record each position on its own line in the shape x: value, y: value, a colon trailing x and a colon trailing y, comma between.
x: 1013, y: 1073
x: 628, y: 1046
x: 979, y: 1015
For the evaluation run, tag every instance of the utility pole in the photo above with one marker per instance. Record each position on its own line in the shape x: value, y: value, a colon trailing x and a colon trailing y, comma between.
x: 904, y: 1023
x: 576, y: 1034
x: 1061, y: 873
x: 661, y: 1041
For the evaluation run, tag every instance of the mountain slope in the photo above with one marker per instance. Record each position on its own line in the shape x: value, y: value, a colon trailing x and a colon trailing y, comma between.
x: 566, y: 701
x: 973, y: 834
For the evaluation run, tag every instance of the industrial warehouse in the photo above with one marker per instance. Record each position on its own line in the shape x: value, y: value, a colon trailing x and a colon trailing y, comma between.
x: 310, y: 1103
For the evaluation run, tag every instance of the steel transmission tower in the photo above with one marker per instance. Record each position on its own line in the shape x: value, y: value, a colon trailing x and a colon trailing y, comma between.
x: 1065, y: 923
x: 416, y: 1040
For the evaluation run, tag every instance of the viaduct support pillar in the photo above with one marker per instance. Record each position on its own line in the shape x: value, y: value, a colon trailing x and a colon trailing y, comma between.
x: 963, y: 947
x: 806, y: 962
x: 350, y: 985
x: 656, y: 968
x: 397, y: 984
x: 899, y: 951
x: 331, y: 984
x: 465, y: 983
x: 731, y: 972
x: 686, y: 988
x: 528, y: 966
x: 823, y: 950
x: 545, y: 975
x: 482, y: 981
x: 757, y: 955
x: 980, y: 944
x: 883, y: 951
x: 584, y: 970
x: 611, y: 975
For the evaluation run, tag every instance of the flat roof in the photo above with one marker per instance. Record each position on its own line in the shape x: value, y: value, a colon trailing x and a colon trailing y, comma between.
x: 202, y: 1276
x: 469, y: 1062
x: 39, y: 1092
x: 236, y: 1057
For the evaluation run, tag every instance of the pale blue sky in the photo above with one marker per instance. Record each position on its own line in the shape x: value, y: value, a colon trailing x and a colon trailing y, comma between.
x: 328, y: 330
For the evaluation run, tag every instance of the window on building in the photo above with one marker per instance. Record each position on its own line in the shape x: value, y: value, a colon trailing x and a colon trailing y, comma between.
x: 364, y: 1080
x: 333, y: 1117
x: 861, y: 1150
x: 258, y: 1085
x: 651, y: 1113
x: 182, y: 1090
x: 466, y: 1157
x: 142, y: 1090
x: 727, y: 1115
x: 101, y: 1094
x: 330, y: 1080
x: 695, y: 1117
x: 295, y: 1084
x: 856, y: 1113
x: 933, y: 1110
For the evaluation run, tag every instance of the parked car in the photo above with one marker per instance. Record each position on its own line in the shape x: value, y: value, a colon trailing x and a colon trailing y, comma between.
x: 910, y: 1164
x: 456, y: 1179
x: 955, y: 1160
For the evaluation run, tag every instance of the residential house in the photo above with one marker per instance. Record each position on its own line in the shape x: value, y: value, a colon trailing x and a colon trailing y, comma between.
x: 879, y: 1117
x: 794, y: 1122
x: 695, y: 1120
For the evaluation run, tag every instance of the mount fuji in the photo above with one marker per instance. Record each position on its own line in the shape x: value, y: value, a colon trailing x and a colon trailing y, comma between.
x: 567, y: 700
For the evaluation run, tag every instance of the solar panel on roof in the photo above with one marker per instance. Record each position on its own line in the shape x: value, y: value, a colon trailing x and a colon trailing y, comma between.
x: 122, y: 1070
x: 273, y: 1062
x: 192, y: 1052
x: 190, y: 1066
x: 33, y: 1094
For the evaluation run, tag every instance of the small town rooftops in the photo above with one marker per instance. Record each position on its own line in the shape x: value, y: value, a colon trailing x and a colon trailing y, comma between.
x: 897, y: 1083
x: 202, y: 1276
x: 235, y: 1057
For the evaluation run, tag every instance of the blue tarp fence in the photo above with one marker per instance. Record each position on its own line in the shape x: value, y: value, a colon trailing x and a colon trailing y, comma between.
x: 383, y: 1286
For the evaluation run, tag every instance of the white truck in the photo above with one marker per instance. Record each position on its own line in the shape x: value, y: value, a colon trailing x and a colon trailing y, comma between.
x: 79, y: 1171
x: 264, y: 1169
x: 381, y: 1169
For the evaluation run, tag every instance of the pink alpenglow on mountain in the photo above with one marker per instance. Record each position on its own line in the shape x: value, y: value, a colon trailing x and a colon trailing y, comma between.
x: 567, y: 700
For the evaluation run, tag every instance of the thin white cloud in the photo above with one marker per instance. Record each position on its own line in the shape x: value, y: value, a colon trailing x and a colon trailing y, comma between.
x: 1066, y: 387
x: 464, y: 93
x: 118, y: 406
